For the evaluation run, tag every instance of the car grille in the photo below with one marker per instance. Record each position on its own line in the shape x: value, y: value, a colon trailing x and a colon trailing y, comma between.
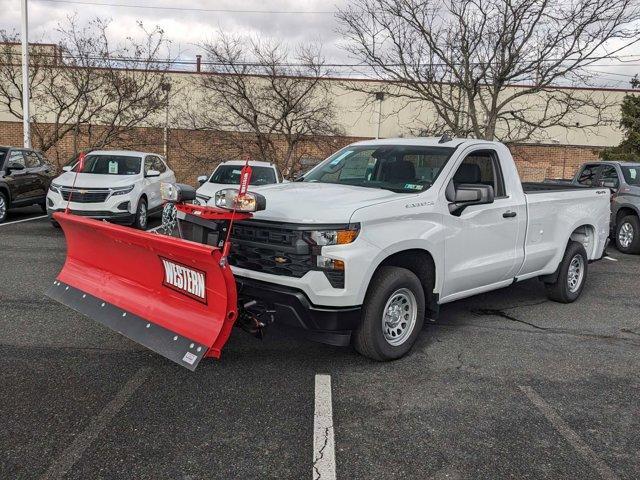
x: 276, y: 249
x: 85, y: 195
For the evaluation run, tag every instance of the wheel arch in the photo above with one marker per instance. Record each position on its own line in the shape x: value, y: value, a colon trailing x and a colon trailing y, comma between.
x: 586, y: 235
x: 624, y: 210
x: 7, y: 192
x: 420, y: 262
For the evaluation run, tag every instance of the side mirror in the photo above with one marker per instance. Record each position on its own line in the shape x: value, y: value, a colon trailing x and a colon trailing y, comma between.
x: 202, y: 179
x: 464, y: 195
x: 152, y: 173
x: 14, y: 166
x: 67, y: 168
x: 610, y: 184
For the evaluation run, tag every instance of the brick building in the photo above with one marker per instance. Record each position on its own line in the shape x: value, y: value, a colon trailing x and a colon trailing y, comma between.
x: 556, y: 152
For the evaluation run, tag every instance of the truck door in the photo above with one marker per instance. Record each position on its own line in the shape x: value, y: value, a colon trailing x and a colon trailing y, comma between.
x: 483, y: 246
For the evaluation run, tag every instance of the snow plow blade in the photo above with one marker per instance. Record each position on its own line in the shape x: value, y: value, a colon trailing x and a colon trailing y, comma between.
x: 168, y: 294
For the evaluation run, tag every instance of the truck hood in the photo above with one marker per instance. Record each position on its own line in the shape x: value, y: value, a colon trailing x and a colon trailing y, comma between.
x: 319, y: 203
x: 90, y: 180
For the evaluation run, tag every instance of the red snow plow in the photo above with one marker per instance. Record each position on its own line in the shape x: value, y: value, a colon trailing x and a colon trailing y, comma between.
x: 176, y: 297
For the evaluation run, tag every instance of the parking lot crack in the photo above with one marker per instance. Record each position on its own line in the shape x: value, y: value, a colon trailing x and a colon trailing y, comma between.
x: 320, y: 454
x: 494, y: 312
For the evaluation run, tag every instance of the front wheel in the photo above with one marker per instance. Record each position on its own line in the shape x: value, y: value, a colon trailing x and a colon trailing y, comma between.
x: 392, y: 315
x: 142, y: 214
x: 628, y: 234
x: 572, y: 275
x: 4, y: 206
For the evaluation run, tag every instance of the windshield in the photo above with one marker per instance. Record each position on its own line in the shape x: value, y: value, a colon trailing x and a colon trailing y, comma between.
x: 399, y: 168
x: 631, y: 174
x: 111, y: 165
x: 230, y: 175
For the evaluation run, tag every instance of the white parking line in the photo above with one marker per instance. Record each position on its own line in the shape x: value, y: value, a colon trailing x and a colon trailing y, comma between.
x: 611, y: 258
x: 74, y: 451
x: 23, y: 220
x: 324, y: 455
x: 155, y: 229
x: 569, y: 435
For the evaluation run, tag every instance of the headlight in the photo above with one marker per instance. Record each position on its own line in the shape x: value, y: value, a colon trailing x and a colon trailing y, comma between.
x: 122, y: 191
x: 335, y: 237
x: 55, y: 188
x: 177, y: 192
x: 249, y: 202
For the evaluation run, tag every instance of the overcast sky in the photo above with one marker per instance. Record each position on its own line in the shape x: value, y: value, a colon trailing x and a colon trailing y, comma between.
x: 186, y: 27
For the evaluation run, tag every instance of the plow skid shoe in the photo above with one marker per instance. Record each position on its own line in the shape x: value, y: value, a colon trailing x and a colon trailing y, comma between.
x: 170, y: 295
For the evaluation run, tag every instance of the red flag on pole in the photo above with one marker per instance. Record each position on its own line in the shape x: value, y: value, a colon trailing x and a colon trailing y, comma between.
x: 245, y: 179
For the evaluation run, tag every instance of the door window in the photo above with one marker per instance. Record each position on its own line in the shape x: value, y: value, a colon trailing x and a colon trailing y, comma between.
x: 588, y: 175
x: 149, y: 161
x: 32, y: 160
x: 159, y: 165
x: 482, y: 167
x: 16, y: 157
x: 609, y: 176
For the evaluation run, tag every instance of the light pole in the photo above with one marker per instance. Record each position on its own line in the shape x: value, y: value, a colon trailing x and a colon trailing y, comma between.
x: 166, y: 88
x: 26, y: 130
x: 379, y: 98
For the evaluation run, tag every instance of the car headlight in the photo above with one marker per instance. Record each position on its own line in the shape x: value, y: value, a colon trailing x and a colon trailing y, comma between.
x: 335, y: 237
x: 122, y: 191
x: 249, y: 202
x: 55, y: 188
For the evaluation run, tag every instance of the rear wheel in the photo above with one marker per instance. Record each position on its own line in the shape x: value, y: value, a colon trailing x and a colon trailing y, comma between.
x: 142, y: 213
x: 572, y: 274
x: 4, y: 206
x: 392, y: 315
x: 628, y: 234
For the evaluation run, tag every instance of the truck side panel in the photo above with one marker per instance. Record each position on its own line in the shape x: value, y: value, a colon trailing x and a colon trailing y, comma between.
x: 552, y: 217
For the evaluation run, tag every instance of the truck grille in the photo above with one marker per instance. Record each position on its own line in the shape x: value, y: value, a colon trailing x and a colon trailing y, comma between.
x: 276, y: 249
x: 85, y: 195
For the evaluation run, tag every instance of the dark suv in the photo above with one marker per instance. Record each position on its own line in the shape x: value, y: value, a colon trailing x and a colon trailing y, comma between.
x: 24, y: 179
x: 623, y: 178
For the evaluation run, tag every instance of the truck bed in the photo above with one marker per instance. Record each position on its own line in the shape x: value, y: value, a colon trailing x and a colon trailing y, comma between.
x: 541, y: 187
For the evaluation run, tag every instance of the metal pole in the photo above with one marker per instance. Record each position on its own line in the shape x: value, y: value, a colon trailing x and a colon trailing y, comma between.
x: 166, y: 87
x: 25, y: 76
x: 379, y: 98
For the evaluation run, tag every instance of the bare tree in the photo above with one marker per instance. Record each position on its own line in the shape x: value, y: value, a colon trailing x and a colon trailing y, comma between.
x: 261, y: 89
x: 86, y: 85
x: 492, y: 68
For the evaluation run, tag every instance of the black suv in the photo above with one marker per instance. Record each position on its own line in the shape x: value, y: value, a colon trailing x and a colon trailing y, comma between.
x: 24, y: 179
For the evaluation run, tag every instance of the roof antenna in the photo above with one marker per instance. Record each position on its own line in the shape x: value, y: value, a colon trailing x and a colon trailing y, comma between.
x: 444, y: 138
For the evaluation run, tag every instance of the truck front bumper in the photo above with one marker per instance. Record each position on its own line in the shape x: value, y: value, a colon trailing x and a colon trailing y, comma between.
x: 293, y: 311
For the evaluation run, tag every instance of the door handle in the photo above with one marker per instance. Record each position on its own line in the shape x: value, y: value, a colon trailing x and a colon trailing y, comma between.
x: 509, y: 214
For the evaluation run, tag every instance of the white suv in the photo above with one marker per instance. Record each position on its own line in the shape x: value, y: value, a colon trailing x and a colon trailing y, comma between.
x: 119, y: 186
x: 228, y: 173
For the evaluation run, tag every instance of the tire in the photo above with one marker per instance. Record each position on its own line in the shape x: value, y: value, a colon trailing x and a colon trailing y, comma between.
x: 142, y: 215
x: 572, y: 275
x: 382, y: 337
x: 628, y: 234
x: 4, y: 207
x: 55, y: 224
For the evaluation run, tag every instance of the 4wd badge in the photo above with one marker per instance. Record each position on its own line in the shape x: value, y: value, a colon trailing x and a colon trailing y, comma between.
x: 186, y: 280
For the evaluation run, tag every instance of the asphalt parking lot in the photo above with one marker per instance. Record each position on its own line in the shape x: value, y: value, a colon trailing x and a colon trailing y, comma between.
x: 504, y: 385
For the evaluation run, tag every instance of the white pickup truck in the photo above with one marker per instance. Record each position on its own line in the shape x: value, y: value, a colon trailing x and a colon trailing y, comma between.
x: 370, y: 242
x: 362, y: 249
